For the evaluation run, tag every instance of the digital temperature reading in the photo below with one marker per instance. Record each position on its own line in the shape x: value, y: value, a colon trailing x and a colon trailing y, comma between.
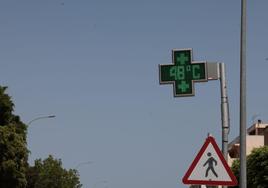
x: 183, y: 72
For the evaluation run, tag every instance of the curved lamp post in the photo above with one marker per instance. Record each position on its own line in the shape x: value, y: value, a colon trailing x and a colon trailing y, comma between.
x: 40, y: 117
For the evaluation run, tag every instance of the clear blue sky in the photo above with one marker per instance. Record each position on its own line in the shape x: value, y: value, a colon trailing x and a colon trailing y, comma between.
x: 94, y: 64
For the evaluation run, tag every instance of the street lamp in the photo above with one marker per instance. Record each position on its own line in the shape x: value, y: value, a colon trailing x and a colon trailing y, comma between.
x: 40, y: 117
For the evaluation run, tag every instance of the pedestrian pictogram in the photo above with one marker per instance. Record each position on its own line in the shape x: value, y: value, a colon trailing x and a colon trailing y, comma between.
x: 183, y: 73
x: 209, y: 167
x: 210, y: 162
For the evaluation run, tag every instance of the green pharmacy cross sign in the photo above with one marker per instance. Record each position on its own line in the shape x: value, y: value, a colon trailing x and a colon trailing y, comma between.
x: 183, y: 72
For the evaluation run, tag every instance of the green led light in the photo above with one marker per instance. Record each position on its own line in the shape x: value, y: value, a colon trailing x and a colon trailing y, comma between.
x: 183, y: 73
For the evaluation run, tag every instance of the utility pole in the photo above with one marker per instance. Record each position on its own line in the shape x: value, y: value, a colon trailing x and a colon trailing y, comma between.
x: 243, y: 118
x: 224, y: 112
x: 217, y: 71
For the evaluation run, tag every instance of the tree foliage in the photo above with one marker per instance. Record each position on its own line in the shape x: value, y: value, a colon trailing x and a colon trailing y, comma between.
x: 13, y: 146
x: 6, y: 114
x: 15, y: 171
x: 49, y: 173
x: 257, y: 168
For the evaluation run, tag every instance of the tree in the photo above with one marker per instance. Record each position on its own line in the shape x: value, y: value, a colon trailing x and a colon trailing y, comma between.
x: 15, y: 171
x: 13, y: 146
x: 257, y: 163
x: 257, y: 168
x: 50, y: 174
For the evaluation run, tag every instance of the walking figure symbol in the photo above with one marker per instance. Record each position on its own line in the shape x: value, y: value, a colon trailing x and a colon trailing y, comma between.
x: 210, y: 162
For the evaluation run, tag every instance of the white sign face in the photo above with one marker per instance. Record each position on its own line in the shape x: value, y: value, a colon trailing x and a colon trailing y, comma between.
x: 209, y: 167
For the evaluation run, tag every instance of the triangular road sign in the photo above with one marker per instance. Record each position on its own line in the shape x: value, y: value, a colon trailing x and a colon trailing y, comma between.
x: 209, y: 167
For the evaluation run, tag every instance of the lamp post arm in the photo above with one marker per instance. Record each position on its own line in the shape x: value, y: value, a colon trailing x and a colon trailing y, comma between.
x: 41, y: 117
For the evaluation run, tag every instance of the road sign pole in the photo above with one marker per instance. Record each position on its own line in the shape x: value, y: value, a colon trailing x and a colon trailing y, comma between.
x: 243, y: 126
x: 224, y: 112
x: 216, y: 71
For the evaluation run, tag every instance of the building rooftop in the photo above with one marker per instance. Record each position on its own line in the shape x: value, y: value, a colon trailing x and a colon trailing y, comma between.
x: 257, y: 136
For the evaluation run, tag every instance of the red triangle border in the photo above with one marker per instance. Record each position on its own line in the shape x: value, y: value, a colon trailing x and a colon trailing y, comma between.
x: 209, y: 140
